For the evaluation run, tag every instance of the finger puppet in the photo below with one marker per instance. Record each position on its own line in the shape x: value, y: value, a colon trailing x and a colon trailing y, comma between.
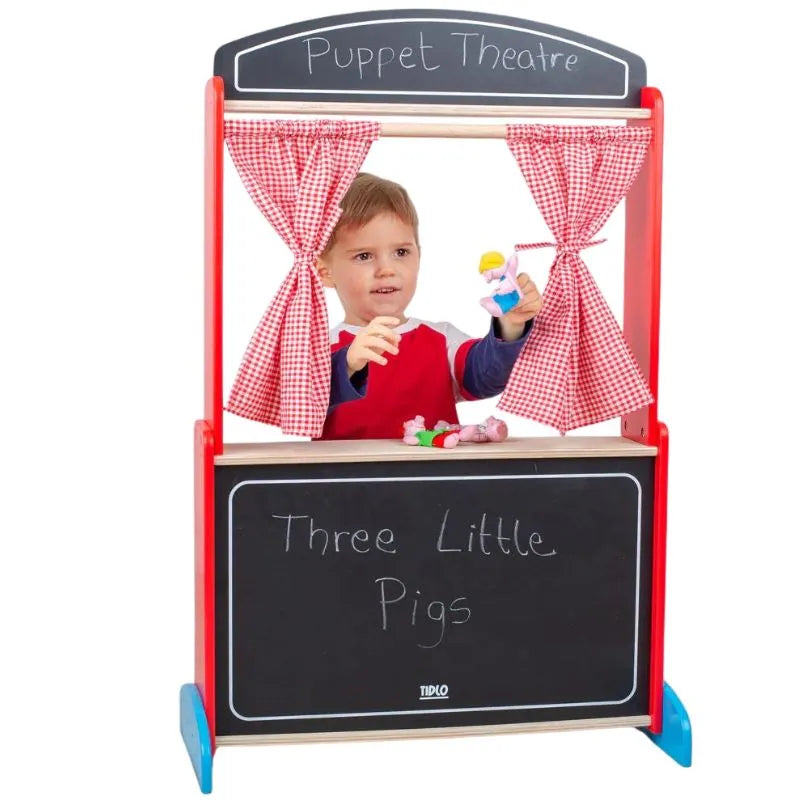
x: 494, y: 266
x: 415, y: 433
x: 491, y: 430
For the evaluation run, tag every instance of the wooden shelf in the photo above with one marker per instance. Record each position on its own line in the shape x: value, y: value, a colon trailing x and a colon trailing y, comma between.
x: 298, y: 452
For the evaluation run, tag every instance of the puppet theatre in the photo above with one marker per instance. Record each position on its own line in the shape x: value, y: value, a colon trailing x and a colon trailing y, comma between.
x: 365, y: 589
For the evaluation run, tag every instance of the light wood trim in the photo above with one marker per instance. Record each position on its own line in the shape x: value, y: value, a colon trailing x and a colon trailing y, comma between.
x: 431, y: 130
x: 440, y: 733
x: 301, y: 452
x: 422, y: 110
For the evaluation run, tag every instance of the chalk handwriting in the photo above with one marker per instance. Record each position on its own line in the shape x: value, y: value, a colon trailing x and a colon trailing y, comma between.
x: 393, y: 591
x: 317, y: 47
x: 319, y: 539
x: 509, y: 58
x: 399, y: 607
x: 464, y: 541
x: 469, y: 51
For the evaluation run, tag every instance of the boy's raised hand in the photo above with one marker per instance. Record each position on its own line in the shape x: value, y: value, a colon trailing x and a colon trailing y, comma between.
x: 371, y: 342
x: 512, y: 323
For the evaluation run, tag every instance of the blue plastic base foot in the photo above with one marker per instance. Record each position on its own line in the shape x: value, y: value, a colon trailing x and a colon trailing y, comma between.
x: 196, y: 736
x: 675, y: 738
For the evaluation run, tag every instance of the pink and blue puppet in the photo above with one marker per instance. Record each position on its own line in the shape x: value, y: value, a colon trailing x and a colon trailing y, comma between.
x: 493, y: 266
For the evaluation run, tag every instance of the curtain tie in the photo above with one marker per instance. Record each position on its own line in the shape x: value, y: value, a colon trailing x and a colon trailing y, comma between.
x: 302, y: 259
x: 568, y: 246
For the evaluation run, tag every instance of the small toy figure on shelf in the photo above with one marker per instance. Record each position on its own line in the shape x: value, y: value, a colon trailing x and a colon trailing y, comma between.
x: 414, y: 433
x: 491, y: 430
x: 493, y: 266
x: 447, y: 434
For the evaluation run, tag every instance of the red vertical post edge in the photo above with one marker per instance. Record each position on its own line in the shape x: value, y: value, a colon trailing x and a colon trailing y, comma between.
x: 208, y: 431
x: 215, y: 135
x: 204, y: 571
x: 659, y: 581
x: 641, y: 329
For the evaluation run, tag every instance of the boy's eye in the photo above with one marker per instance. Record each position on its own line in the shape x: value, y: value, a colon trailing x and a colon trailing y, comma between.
x: 403, y: 251
x: 362, y: 257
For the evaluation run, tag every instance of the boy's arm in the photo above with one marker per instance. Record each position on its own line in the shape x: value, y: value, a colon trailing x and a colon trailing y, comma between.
x: 345, y: 388
x: 486, y: 364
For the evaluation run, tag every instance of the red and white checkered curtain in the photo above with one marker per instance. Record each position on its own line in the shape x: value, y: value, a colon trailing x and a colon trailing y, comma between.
x: 297, y: 173
x: 575, y: 368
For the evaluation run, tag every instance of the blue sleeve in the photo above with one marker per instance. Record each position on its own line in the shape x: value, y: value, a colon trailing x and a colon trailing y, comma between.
x: 343, y: 387
x: 490, y: 361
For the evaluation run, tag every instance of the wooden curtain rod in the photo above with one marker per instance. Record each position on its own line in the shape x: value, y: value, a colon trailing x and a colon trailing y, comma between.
x: 433, y: 130
x: 399, y: 109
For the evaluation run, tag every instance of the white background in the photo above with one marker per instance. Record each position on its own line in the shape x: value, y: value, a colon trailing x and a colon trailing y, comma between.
x: 102, y: 136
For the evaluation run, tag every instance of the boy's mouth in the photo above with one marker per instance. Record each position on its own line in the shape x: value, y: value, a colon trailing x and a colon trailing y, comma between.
x: 385, y: 290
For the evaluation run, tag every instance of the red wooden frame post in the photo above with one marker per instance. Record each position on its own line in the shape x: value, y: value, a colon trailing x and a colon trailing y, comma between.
x: 204, y: 675
x: 208, y: 431
x: 659, y: 581
x: 641, y: 328
x: 215, y: 136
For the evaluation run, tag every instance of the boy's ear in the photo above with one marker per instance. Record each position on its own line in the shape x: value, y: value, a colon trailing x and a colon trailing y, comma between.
x: 325, y: 274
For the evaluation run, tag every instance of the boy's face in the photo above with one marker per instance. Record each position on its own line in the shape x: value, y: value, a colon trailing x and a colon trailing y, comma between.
x: 373, y: 269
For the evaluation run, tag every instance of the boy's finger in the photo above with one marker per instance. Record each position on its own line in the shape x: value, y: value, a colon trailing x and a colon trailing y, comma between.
x: 378, y: 344
x: 528, y: 306
x: 391, y: 321
x: 382, y: 330
x: 528, y: 309
x: 366, y: 355
x: 371, y: 355
x: 531, y: 298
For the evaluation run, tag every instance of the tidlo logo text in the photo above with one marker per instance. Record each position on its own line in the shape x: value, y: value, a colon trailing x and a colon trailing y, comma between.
x: 434, y: 691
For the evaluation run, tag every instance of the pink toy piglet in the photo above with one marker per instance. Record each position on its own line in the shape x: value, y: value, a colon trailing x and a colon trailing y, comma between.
x: 415, y: 433
x: 491, y: 430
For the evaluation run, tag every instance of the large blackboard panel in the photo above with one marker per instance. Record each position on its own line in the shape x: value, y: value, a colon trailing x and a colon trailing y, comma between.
x: 561, y: 633
x: 430, y: 56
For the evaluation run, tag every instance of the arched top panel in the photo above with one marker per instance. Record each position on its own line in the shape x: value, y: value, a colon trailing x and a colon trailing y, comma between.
x: 432, y: 57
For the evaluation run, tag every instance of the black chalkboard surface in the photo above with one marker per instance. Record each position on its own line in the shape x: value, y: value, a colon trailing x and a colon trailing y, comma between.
x: 429, y: 56
x: 357, y: 597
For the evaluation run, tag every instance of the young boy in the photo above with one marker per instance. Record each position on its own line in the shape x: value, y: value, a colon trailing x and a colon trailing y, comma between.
x: 387, y: 368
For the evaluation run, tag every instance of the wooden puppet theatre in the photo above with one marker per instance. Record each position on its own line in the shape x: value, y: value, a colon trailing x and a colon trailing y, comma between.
x: 411, y: 573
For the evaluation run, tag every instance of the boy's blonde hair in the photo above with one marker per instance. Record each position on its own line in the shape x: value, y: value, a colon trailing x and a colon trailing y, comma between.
x: 369, y: 196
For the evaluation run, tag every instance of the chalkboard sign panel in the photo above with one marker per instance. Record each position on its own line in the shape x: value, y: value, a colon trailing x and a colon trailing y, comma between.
x: 429, y: 57
x: 397, y: 595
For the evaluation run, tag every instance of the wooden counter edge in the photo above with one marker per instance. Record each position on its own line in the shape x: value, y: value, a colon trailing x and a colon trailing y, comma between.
x: 366, y: 450
x: 426, y: 733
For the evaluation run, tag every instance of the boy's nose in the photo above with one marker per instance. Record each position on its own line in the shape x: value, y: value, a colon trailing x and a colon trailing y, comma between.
x: 384, y: 267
